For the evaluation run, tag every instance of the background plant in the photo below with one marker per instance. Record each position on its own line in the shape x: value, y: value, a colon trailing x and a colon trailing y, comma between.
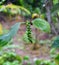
x: 13, y: 9
x: 2, y: 1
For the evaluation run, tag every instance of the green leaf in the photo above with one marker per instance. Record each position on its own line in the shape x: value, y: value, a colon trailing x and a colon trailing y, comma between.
x: 6, y: 38
x: 37, y: 62
x: 55, y: 9
x: 41, y: 24
x: 55, y: 43
x: 55, y: 1
x: 26, y: 58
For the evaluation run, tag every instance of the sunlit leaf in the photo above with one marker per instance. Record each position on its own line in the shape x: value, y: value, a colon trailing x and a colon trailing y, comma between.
x: 13, y: 9
x: 55, y: 1
x: 41, y: 24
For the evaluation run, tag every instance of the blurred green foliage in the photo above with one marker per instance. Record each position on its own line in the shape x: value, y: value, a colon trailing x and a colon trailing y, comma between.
x: 10, y: 58
x: 12, y: 9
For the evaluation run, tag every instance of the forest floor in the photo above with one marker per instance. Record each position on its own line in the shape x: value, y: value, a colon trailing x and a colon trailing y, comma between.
x: 43, y: 52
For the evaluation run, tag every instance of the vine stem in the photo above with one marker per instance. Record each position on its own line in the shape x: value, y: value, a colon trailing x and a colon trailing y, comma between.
x: 36, y: 37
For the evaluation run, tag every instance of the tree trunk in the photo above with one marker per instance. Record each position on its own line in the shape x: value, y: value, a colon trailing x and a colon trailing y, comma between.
x: 48, y: 14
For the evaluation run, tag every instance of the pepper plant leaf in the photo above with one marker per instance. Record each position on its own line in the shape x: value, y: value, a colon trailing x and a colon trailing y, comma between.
x: 6, y: 38
x: 42, y: 25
